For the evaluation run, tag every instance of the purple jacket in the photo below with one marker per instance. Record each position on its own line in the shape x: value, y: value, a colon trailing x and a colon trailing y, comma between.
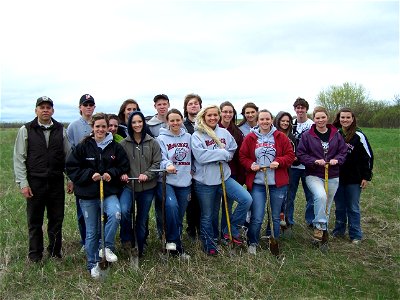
x: 310, y: 149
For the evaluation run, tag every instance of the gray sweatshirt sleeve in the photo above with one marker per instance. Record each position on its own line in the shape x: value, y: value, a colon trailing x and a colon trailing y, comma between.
x: 19, y: 158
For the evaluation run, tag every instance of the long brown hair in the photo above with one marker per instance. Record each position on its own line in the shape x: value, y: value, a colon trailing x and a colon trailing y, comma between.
x: 121, y: 113
x: 247, y: 105
x: 349, y: 132
x: 236, y: 132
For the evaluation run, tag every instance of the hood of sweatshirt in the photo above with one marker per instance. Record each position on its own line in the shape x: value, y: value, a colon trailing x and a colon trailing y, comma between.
x: 107, y: 140
x: 154, y: 121
x: 167, y: 132
x: 130, y: 129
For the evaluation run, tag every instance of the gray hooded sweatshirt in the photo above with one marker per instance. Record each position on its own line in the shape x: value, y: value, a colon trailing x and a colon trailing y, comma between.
x: 265, y: 154
x: 176, y: 150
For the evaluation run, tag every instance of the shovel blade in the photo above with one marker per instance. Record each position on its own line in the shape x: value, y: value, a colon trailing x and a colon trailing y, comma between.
x: 274, y: 247
x: 134, y: 259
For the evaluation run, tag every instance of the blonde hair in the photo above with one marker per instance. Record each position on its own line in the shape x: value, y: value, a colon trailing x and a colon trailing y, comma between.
x: 203, y: 127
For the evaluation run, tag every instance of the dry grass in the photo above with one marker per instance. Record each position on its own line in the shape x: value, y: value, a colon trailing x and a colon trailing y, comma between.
x: 367, y: 271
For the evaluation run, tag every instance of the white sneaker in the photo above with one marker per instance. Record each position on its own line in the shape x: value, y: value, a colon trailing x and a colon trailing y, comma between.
x: 252, y: 249
x: 170, y: 246
x: 184, y: 256
x: 82, y: 249
x: 356, y: 242
x: 95, y: 272
x: 110, y: 256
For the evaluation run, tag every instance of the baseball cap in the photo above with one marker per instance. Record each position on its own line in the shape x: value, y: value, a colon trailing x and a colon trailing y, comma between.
x: 44, y: 99
x: 161, y: 96
x: 86, y: 98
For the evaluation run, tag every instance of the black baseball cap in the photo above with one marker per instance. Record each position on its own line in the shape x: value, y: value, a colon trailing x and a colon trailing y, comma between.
x: 161, y: 96
x: 44, y: 99
x: 86, y: 98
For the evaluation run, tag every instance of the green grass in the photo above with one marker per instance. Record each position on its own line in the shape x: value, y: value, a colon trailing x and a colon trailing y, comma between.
x: 368, y: 271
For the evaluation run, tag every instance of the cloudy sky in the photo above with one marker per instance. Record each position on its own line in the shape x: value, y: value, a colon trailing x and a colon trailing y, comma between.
x: 268, y: 52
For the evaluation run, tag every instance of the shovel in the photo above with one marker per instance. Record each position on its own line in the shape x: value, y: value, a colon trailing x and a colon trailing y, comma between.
x: 103, y: 264
x: 164, y: 197
x: 325, y: 237
x: 134, y: 251
x: 273, y: 243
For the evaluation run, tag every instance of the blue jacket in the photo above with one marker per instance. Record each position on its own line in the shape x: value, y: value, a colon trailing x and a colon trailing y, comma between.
x: 310, y: 149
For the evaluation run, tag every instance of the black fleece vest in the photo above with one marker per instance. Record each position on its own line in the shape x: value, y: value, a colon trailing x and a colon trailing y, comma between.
x: 43, y: 161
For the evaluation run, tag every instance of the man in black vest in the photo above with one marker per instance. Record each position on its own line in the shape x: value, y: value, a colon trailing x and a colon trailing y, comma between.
x: 40, y: 151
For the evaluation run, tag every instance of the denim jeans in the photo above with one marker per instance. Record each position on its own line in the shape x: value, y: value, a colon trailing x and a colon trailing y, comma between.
x: 91, y: 213
x: 176, y: 203
x: 143, y: 202
x: 322, y: 205
x: 81, y: 221
x: 277, y: 197
x: 347, y: 202
x: 209, y: 199
x: 294, y: 179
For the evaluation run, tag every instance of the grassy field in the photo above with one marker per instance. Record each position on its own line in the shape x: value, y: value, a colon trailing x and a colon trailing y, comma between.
x: 366, y: 271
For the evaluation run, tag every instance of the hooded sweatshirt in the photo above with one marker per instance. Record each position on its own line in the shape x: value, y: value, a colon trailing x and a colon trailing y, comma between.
x: 176, y: 150
x: 154, y: 125
x: 255, y: 150
x: 208, y: 154
x: 265, y: 153
x: 143, y: 156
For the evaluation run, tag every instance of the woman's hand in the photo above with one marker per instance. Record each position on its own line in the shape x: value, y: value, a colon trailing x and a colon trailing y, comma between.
x: 320, y: 162
x: 363, y: 184
x: 274, y: 165
x: 254, y: 167
x: 142, y: 178
x: 96, y: 177
x: 124, y: 178
x: 171, y: 169
x: 106, y: 177
x: 333, y: 162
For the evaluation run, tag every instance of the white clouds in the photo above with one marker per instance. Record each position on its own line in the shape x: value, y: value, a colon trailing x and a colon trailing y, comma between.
x: 265, y: 51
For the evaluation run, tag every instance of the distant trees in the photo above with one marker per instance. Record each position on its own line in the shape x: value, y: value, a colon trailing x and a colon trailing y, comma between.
x: 370, y: 113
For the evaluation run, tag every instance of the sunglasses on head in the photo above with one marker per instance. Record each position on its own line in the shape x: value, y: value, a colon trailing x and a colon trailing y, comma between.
x: 88, y: 104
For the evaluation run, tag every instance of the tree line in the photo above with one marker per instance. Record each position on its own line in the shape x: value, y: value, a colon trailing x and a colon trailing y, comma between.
x: 369, y: 113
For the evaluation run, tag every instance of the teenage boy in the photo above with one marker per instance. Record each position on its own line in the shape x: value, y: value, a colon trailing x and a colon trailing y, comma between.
x: 161, y: 104
x: 40, y: 151
x: 76, y: 131
x: 301, y: 124
x: 191, y: 106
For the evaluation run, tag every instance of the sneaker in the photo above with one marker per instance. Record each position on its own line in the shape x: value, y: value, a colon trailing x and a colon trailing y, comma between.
x: 170, y: 246
x: 183, y: 256
x: 236, y: 240
x: 318, y: 234
x: 282, y: 221
x: 82, y: 250
x: 212, y: 252
x: 356, y: 242
x: 95, y: 271
x: 110, y: 256
x: 252, y: 249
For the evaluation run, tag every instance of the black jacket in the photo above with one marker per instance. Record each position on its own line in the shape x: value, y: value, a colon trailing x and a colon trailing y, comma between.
x: 87, y: 159
x: 359, y: 161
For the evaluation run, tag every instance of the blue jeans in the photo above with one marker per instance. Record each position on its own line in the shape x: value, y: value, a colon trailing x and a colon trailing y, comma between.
x: 81, y: 222
x: 143, y: 202
x: 347, y: 202
x: 209, y: 199
x: 176, y: 203
x: 91, y: 213
x: 322, y: 203
x: 277, y: 197
x: 294, y: 178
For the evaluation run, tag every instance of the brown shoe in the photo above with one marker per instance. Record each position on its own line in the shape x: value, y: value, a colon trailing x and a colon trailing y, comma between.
x: 318, y: 234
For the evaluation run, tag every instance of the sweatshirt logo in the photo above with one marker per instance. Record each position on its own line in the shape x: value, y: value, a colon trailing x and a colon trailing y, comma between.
x: 112, y: 157
x: 90, y: 158
x: 212, y: 142
x: 265, y: 153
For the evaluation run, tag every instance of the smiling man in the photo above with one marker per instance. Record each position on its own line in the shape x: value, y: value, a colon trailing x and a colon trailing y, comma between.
x: 40, y: 150
x: 161, y: 104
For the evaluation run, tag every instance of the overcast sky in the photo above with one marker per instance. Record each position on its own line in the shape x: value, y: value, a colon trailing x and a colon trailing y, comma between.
x: 267, y: 52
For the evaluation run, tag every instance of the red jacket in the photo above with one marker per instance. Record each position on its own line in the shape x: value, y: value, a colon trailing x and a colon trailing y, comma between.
x: 284, y: 156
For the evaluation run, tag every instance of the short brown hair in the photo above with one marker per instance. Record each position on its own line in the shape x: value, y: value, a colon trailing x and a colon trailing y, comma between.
x: 301, y: 102
x: 186, y: 101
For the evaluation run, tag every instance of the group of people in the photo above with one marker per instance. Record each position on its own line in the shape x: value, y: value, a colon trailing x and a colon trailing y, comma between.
x: 187, y: 163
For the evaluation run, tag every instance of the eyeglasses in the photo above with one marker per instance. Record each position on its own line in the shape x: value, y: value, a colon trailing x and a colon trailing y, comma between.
x: 88, y: 104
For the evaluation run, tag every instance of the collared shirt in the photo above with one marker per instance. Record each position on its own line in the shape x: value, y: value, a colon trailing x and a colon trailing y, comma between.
x: 21, y: 152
